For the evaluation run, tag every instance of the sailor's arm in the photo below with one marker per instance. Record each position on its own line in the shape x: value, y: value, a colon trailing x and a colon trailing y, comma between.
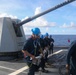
x: 70, y: 52
x: 26, y: 53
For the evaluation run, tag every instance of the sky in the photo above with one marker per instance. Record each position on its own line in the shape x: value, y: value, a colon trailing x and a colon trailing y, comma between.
x: 61, y: 21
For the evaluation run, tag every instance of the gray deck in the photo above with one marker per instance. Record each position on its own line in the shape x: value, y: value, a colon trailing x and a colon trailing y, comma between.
x: 19, y: 67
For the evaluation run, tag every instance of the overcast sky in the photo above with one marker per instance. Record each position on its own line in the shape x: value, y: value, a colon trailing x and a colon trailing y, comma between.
x: 60, y: 21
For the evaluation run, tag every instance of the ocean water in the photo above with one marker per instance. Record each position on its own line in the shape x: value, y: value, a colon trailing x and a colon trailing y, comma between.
x: 61, y: 40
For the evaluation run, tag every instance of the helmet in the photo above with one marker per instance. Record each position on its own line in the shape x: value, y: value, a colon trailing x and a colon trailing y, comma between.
x: 50, y: 36
x: 36, y: 31
x: 41, y: 36
x: 46, y: 34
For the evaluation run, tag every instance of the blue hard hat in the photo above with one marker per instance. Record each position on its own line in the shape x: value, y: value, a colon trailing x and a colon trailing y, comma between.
x: 41, y: 36
x: 46, y: 34
x: 36, y: 31
x: 50, y: 36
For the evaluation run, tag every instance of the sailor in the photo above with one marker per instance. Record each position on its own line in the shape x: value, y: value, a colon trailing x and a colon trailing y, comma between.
x: 47, y: 46
x: 42, y: 41
x: 31, y: 50
x: 42, y: 64
x: 51, y: 44
x: 71, y: 59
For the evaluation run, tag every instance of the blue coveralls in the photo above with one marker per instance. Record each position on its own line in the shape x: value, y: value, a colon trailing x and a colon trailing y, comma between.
x: 71, y: 58
x: 33, y: 48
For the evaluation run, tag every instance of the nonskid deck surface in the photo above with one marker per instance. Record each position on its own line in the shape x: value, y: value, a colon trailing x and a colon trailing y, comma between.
x: 19, y: 67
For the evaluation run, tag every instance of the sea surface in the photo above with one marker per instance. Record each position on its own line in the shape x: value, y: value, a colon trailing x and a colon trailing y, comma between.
x: 61, y: 40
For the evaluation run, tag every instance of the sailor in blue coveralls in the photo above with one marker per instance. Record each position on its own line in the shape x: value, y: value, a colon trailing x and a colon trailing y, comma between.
x: 47, y: 45
x: 51, y: 44
x: 42, y: 64
x: 71, y: 59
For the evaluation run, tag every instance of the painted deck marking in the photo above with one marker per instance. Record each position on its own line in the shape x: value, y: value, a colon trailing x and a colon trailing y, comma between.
x: 56, y: 52
x: 7, y: 68
x: 19, y: 71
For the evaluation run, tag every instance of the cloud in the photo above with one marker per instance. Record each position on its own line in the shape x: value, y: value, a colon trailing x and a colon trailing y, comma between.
x: 72, y: 25
x: 6, y: 15
x: 38, y: 10
x: 27, y: 30
x: 41, y: 21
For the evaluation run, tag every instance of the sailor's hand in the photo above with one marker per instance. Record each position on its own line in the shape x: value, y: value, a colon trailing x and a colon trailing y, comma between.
x: 41, y: 55
x: 67, y: 69
x: 24, y: 55
x: 33, y: 57
x: 46, y: 48
x: 67, y: 66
